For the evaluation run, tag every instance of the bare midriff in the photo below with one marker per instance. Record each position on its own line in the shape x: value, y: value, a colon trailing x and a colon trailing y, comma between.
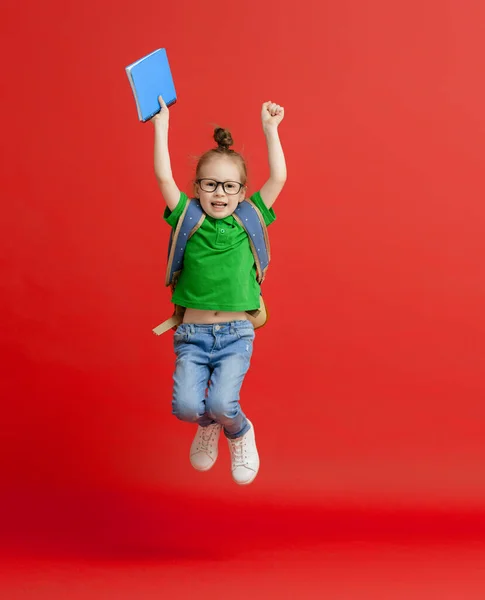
x: 208, y: 317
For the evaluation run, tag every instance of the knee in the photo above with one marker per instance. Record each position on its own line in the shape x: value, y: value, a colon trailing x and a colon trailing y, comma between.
x: 218, y: 408
x: 184, y: 411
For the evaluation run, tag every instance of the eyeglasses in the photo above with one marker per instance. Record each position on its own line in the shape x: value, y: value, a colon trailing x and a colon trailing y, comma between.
x: 210, y: 185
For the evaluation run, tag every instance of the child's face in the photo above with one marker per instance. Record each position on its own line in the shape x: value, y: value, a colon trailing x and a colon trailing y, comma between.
x: 219, y: 202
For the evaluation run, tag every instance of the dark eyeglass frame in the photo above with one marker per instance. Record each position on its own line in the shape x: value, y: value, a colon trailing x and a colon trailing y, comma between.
x: 218, y: 183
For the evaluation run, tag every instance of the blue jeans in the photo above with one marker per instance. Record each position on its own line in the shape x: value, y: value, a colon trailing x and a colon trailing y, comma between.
x: 212, y: 361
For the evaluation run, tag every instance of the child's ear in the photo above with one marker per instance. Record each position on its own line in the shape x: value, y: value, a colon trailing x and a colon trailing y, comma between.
x: 196, y: 190
x: 243, y: 194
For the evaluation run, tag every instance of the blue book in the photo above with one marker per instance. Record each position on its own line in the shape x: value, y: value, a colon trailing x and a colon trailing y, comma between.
x: 151, y: 77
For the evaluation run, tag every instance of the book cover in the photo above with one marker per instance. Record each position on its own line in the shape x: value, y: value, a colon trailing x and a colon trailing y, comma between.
x: 150, y: 77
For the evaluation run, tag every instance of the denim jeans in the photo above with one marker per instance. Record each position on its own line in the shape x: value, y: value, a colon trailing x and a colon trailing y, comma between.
x: 211, y: 363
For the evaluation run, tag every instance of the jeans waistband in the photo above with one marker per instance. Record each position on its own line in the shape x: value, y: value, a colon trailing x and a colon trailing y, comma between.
x: 226, y: 327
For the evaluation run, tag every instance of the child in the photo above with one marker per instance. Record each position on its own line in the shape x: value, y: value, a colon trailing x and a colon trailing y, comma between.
x: 214, y: 343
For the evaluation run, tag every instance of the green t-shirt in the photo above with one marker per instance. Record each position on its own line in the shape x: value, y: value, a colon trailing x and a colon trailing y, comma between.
x: 219, y: 272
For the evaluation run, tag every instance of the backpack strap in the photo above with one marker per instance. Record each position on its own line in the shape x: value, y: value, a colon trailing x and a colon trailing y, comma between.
x: 190, y: 220
x: 172, y: 322
x: 248, y: 215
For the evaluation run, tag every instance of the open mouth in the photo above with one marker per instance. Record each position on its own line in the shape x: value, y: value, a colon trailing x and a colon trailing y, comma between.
x: 219, y: 204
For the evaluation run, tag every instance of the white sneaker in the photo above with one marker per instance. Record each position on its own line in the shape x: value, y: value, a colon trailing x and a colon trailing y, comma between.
x: 204, y: 448
x: 244, y: 457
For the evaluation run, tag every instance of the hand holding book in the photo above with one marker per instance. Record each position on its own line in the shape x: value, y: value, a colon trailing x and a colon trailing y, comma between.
x: 162, y: 117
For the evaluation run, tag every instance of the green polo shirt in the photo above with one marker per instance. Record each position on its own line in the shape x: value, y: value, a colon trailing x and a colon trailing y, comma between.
x: 219, y: 272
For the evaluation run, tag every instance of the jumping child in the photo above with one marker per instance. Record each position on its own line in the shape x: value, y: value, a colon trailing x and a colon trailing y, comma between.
x: 216, y: 288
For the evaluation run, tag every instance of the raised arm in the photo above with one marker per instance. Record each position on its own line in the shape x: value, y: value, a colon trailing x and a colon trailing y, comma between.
x: 271, y: 116
x: 163, y: 169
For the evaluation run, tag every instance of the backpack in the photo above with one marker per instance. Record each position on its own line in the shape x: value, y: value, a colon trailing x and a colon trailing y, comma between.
x: 250, y: 218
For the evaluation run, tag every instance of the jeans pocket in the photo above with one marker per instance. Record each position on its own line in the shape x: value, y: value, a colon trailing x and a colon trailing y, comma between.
x: 181, y: 335
x: 246, y: 334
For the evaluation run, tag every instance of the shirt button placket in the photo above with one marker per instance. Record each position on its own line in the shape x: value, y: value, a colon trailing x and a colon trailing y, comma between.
x: 221, y: 237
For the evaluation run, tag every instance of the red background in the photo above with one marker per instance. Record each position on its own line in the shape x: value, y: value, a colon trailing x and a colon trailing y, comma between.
x: 367, y: 386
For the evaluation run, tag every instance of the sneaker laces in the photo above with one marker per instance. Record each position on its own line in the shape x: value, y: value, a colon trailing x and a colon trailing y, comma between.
x: 206, y: 437
x: 238, y: 446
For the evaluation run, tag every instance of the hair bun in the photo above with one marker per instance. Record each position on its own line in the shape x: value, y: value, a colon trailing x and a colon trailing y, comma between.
x: 223, y: 138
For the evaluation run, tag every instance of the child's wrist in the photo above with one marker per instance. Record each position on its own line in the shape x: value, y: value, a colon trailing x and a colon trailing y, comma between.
x: 160, y: 124
x: 270, y: 130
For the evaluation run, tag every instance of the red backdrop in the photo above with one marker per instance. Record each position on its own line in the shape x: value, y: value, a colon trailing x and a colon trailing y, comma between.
x: 367, y: 386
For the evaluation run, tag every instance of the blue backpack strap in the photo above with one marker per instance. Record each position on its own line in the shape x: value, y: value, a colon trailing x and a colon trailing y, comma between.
x: 249, y: 216
x: 190, y: 220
